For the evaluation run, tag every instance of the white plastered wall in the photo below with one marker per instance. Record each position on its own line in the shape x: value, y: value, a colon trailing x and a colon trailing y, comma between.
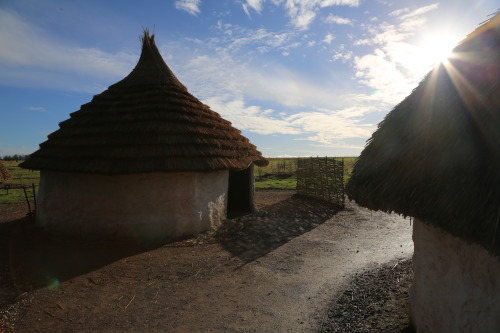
x: 140, y: 206
x: 456, y: 286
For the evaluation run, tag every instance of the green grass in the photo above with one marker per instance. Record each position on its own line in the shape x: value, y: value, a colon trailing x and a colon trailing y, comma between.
x: 19, y: 176
x: 280, y: 174
x: 348, y: 165
x: 278, y: 166
x: 15, y: 195
x: 281, y: 182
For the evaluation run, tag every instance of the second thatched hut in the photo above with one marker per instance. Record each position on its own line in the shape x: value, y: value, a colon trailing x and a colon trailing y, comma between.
x: 144, y: 159
x: 436, y: 157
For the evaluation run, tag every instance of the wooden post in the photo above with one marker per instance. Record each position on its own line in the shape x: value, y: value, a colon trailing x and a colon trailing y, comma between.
x: 27, y: 200
x: 34, y: 194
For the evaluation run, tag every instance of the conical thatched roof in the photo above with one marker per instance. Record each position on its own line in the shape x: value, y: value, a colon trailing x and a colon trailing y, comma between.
x: 436, y: 155
x: 4, y: 173
x: 146, y: 122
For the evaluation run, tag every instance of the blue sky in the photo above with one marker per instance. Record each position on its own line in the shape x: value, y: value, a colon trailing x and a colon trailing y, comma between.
x: 297, y: 77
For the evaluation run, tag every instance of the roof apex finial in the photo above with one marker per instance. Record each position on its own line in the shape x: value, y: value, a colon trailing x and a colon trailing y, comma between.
x: 147, y: 37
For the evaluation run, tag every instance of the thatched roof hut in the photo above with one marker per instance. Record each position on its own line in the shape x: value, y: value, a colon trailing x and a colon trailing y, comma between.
x: 4, y: 173
x: 146, y: 122
x: 436, y: 157
x: 149, y: 136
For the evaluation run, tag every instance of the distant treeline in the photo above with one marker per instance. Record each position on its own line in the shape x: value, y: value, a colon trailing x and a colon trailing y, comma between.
x: 15, y: 157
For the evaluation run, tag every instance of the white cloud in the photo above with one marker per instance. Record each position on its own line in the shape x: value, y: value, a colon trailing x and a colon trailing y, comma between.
x: 255, y: 5
x: 343, y: 56
x: 389, y: 33
x: 324, y: 126
x: 417, y: 12
x: 328, y: 3
x: 328, y: 38
x: 250, y: 118
x: 234, y: 38
x: 398, y: 12
x: 27, y: 55
x: 380, y: 73
x: 329, y: 126
x: 246, y: 10
x: 412, y: 24
x: 366, y: 41
x: 223, y: 75
x: 337, y: 20
x: 190, y: 6
x: 395, y: 67
x: 420, y: 11
x: 303, y: 12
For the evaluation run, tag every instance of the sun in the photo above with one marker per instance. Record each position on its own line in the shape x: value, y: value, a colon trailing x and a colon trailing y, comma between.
x: 437, y: 48
x: 430, y: 50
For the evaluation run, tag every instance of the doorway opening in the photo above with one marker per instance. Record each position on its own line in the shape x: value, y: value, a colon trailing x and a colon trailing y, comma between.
x: 240, y: 192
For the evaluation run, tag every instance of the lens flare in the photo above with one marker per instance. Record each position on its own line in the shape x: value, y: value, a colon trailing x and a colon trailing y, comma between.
x: 53, y: 283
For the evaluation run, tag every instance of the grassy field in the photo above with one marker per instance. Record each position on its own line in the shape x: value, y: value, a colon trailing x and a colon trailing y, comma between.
x: 348, y: 165
x: 19, y: 177
x: 281, y: 173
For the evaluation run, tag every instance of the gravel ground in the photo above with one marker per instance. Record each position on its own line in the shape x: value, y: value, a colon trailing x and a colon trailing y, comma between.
x: 375, y: 301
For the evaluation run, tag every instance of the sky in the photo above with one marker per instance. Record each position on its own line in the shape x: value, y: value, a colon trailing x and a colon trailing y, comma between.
x: 297, y: 77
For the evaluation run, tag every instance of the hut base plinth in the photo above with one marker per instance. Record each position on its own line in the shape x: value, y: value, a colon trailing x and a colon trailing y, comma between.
x: 456, y: 286
x: 148, y: 206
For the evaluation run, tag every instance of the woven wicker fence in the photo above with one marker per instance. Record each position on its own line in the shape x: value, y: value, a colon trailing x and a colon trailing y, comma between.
x: 321, y: 178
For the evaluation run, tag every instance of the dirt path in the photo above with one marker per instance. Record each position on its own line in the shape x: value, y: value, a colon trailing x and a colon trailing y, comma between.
x: 274, y: 271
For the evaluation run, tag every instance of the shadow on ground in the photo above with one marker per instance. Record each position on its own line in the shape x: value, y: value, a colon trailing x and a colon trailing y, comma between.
x: 252, y: 236
x: 30, y: 258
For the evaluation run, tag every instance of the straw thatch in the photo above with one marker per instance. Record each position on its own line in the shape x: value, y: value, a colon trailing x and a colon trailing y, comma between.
x: 4, y: 173
x: 146, y: 122
x: 436, y: 155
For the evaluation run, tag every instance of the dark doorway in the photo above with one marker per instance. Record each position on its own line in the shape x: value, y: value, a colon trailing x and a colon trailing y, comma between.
x: 240, y: 192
